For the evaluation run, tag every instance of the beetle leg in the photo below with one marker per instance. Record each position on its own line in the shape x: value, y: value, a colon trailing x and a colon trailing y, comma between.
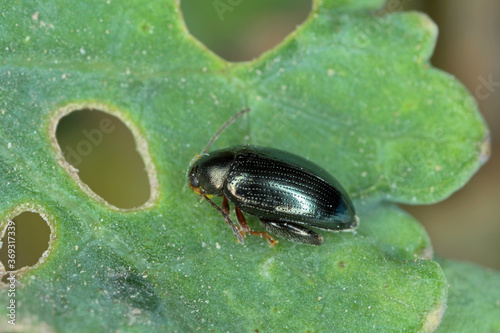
x: 293, y: 232
x: 225, y: 208
x: 236, y: 230
x: 225, y: 205
x: 242, y: 221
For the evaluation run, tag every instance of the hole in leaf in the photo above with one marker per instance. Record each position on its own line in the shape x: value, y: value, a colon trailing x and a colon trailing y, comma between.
x: 103, y: 150
x: 25, y: 239
x: 238, y: 30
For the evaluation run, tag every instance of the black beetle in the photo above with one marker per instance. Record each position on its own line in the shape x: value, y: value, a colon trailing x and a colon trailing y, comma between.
x: 285, y: 191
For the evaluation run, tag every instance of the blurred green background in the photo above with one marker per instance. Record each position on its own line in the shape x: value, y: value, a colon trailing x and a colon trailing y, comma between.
x: 466, y: 226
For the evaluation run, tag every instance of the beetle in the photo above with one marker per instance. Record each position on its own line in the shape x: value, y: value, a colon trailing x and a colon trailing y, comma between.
x: 286, y: 192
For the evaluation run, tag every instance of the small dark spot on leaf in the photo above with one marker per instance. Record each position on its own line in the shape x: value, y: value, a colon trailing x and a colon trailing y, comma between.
x: 342, y: 264
x: 132, y: 288
x: 145, y: 27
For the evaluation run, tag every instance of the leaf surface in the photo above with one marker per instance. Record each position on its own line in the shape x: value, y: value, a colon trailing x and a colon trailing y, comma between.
x: 349, y: 91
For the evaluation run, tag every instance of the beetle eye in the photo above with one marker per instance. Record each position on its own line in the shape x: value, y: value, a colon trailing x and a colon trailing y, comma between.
x: 193, y: 177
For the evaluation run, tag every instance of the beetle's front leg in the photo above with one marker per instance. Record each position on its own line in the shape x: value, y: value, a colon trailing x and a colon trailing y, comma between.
x: 236, y: 228
x: 246, y: 228
x: 225, y: 204
x: 225, y: 208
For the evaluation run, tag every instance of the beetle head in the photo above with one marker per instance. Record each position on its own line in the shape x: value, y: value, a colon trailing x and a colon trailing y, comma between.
x: 208, y: 173
x: 194, y: 178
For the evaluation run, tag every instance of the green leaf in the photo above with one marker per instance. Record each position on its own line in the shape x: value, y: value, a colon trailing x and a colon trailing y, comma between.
x: 474, y: 298
x: 350, y: 4
x: 351, y: 92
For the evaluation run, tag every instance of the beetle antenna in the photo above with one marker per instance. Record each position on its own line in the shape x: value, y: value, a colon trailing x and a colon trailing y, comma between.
x: 227, y: 219
x: 223, y: 127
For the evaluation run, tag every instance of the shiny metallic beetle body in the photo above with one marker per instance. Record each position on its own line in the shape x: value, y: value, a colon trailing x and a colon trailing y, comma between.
x: 286, y: 192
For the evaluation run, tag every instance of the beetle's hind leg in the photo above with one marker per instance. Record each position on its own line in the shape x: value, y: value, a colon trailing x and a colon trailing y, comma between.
x: 243, y: 223
x: 293, y: 232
